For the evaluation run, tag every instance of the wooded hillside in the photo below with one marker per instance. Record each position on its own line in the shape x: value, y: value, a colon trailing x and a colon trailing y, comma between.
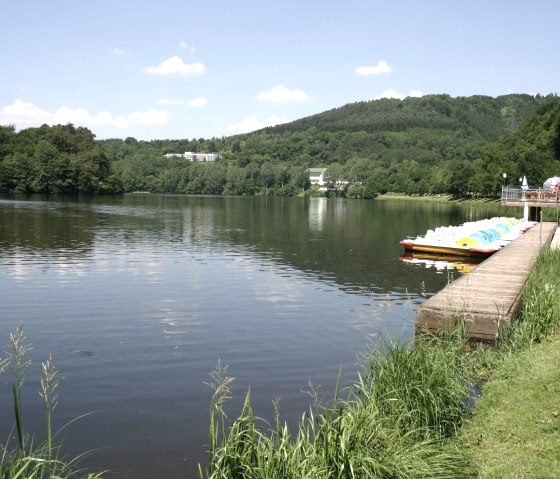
x: 429, y: 145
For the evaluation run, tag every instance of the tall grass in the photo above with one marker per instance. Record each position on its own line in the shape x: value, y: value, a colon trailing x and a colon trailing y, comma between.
x: 389, y: 424
x: 541, y: 305
x: 395, y: 420
x: 28, y: 460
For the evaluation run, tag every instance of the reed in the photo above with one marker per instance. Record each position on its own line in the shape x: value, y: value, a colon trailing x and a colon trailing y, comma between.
x: 29, y: 460
x: 419, y: 387
x: 390, y: 423
x: 19, y: 348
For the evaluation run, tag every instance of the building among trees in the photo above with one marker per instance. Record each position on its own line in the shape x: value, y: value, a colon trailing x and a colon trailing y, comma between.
x: 200, y: 157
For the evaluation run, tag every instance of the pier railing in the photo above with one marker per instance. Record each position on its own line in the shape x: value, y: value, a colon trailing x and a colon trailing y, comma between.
x: 531, y: 196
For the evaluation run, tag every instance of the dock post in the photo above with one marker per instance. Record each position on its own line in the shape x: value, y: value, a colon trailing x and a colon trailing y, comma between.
x: 534, y: 213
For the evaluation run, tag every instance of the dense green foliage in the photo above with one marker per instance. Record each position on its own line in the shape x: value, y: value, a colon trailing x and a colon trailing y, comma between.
x: 430, y: 145
x: 57, y: 159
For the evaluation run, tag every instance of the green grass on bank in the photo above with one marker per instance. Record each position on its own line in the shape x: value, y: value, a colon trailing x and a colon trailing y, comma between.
x: 443, y: 198
x: 515, y: 428
x: 515, y: 431
x: 548, y: 214
x: 391, y: 423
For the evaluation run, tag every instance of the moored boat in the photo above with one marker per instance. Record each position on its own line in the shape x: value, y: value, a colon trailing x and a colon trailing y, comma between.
x: 477, y: 238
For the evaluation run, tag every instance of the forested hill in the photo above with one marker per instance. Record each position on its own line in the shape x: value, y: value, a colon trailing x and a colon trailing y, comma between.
x: 428, y: 145
x: 480, y: 115
x: 533, y: 150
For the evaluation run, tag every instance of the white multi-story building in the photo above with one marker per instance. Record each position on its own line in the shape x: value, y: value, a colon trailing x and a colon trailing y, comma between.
x: 203, y: 157
x: 317, y: 176
x: 200, y: 157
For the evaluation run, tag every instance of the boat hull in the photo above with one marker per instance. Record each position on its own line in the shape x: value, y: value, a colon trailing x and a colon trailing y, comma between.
x: 447, y: 250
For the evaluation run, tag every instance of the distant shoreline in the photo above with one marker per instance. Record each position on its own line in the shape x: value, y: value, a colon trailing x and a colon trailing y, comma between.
x: 436, y: 198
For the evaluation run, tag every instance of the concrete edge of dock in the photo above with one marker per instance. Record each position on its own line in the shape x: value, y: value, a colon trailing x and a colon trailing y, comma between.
x: 555, y: 243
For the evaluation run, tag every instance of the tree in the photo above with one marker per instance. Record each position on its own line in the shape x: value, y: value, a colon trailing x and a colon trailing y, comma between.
x: 47, y: 168
x: 267, y: 175
x: 299, y: 177
x: 372, y: 188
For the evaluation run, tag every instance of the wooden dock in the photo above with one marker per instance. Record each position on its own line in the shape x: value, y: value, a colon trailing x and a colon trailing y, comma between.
x: 489, y: 297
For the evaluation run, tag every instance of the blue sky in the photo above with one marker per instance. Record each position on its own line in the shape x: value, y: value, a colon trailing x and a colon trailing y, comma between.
x: 186, y: 69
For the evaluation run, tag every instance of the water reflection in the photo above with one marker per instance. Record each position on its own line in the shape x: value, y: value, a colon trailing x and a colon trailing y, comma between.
x: 317, y: 213
x: 350, y: 243
x: 442, y: 263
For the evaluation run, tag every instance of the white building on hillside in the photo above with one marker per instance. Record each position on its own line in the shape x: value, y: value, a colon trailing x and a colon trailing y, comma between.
x: 317, y: 176
x: 201, y: 157
x: 190, y: 156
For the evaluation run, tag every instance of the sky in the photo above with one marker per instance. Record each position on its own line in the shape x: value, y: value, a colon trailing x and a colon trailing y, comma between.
x: 178, y: 69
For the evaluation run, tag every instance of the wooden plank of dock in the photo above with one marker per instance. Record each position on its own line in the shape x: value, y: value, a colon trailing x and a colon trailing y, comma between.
x: 488, y: 297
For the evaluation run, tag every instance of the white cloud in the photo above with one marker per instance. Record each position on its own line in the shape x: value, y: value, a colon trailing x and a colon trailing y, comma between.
x: 381, y: 67
x: 24, y: 114
x: 390, y: 93
x: 416, y: 93
x: 170, y: 101
x: 175, y: 65
x: 185, y: 45
x: 281, y: 94
x: 117, y: 51
x: 195, y: 102
x: 252, y: 123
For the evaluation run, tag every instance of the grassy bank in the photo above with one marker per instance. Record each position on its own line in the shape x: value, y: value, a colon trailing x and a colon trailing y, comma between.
x: 390, y: 424
x: 438, y: 199
x: 515, y: 431
x: 549, y: 214
x: 404, y: 416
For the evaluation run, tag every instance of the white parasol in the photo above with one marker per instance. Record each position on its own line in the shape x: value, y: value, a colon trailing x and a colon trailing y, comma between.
x: 552, y: 183
x: 524, y: 184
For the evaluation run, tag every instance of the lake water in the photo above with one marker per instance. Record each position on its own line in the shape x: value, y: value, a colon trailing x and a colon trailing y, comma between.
x: 138, y: 297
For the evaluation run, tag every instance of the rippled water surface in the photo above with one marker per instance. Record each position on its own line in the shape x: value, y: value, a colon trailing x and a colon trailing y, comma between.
x: 138, y: 297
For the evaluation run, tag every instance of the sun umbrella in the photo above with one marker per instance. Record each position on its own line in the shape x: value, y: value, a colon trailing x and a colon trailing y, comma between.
x: 525, y: 185
x: 552, y: 183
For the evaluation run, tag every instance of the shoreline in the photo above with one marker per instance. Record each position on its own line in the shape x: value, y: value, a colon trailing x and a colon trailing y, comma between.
x: 438, y: 199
